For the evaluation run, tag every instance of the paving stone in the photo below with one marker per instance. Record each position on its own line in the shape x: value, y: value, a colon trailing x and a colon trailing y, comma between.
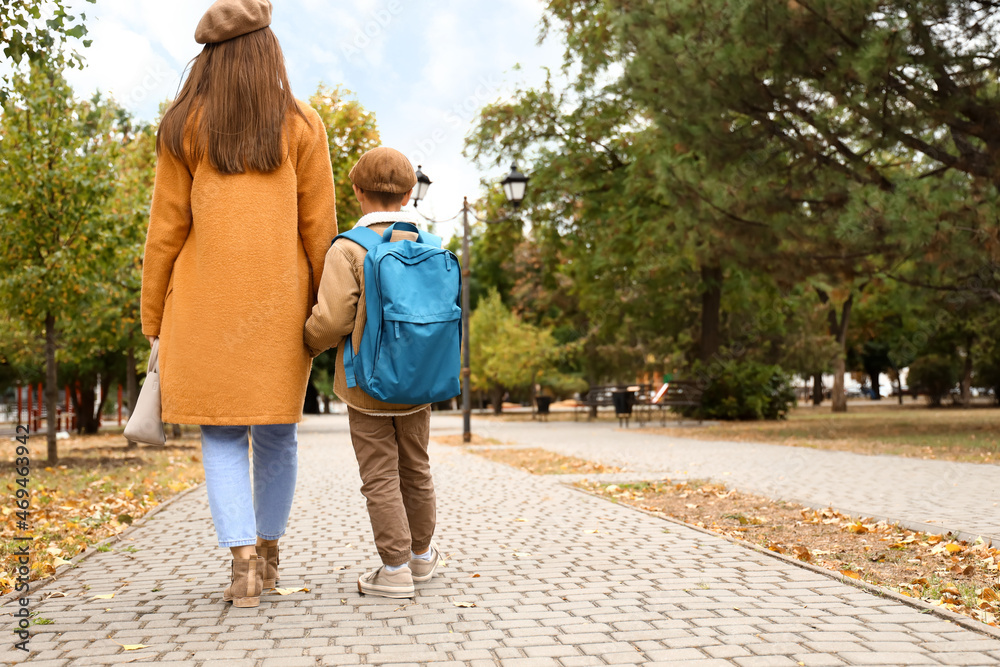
x: 630, y: 594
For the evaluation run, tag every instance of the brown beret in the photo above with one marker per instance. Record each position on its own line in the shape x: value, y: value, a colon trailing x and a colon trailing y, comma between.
x: 384, y: 169
x: 228, y: 19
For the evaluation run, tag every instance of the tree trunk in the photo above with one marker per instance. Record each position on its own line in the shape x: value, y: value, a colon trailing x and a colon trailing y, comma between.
x: 875, y: 378
x: 967, y: 373
x: 899, y: 386
x: 817, y: 397
x: 177, y: 433
x: 838, y: 329
x: 496, y: 396
x: 88, y: 410
x: 84, y: 407
x: 131, y: 380
x: 711, y: 311
x: 131, y: 387
x: 95, y: 423
x: 839, y: 392
x: 51, y: 389
x: 532, y: 396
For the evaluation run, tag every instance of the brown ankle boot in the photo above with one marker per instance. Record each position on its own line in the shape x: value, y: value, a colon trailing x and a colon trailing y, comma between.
x: 268, y: 550
x: 247, y: 582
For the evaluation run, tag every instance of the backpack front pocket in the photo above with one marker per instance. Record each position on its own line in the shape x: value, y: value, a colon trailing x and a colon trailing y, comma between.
x: 419, y: 357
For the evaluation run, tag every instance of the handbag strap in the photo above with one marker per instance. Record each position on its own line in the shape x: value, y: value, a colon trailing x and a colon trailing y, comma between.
x: 154, y: 358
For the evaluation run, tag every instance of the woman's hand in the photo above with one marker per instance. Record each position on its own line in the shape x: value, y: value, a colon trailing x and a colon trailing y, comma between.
x: 151, y: 339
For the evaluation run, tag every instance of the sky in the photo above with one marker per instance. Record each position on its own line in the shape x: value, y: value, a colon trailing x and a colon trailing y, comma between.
x: 424, y: 68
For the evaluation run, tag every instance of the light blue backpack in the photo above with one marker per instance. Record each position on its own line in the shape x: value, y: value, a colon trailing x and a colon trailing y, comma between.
x: 411, y: 347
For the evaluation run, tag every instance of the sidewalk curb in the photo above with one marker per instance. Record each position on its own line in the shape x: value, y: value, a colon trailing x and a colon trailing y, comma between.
x: 39, y: 584
x: 924, y: 607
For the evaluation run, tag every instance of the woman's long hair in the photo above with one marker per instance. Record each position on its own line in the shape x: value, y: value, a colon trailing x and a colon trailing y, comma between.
x: 238, y: 94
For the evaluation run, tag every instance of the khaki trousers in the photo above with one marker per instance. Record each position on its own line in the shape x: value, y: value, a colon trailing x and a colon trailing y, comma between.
x: 396, y: 481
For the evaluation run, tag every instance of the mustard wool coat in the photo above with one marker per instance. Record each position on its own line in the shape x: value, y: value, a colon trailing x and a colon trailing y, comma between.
x: 231, y: 269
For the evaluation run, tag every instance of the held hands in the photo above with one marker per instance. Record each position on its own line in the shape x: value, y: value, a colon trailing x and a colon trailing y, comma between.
x: 151, y: 340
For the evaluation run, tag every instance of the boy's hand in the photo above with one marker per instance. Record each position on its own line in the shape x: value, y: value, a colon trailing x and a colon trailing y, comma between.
x: 151, y: 340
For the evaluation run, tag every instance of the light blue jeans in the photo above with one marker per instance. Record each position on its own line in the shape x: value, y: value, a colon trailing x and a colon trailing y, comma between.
x: 240, y: 516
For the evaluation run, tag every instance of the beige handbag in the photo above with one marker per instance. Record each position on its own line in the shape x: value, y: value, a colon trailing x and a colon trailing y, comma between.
x: 144, y: 424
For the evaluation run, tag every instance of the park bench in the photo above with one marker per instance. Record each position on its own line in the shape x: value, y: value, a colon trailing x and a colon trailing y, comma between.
x: 678, y: 393
x: 641, y: 400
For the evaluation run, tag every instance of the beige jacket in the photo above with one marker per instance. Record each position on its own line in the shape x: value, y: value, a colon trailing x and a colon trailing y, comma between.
x: 340, y: 312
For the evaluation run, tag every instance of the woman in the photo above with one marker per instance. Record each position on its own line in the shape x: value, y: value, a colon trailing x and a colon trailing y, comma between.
x: 242, y: 216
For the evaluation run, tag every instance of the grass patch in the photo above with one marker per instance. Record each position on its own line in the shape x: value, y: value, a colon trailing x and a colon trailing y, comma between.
x: 544, y: 462
x: 914, y: 431
x: 96, y: 491
x: 957, y: 575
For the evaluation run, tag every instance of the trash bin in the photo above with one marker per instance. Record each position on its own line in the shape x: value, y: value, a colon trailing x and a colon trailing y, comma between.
x: 623, y: 400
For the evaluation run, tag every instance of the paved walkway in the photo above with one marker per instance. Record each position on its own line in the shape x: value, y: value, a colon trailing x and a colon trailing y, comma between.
x: 548, y: 589
x: 925, y: 494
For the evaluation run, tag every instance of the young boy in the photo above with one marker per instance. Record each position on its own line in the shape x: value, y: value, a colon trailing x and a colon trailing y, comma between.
x: 390, y: 441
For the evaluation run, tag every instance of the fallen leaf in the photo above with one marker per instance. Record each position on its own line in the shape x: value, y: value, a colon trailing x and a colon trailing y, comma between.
x: 521, y: 520
x: 591, y: 532
x: 133, y: 647
x: 954, y: 548
x: 850, y: 573
x: 103, y: 596
x: 53, y: 551
x: 58, y: 562
x: 522, y: 555
x: 465, y: 605
x: 289, y: 591
x: 475, y: 576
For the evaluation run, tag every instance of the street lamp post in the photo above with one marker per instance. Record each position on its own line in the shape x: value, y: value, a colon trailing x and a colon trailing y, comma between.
x: 515, y: 185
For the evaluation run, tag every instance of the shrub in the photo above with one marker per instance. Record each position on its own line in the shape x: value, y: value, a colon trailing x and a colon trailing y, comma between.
x: 742, y: 390
x: 934, y: 375
x: 987, y: 375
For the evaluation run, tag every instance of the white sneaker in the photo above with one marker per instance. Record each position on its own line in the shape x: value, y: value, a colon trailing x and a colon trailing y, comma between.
x: 423, y: 570
x: 381, y: 582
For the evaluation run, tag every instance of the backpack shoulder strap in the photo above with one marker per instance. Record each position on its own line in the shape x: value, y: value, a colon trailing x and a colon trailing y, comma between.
x: 363, y: 236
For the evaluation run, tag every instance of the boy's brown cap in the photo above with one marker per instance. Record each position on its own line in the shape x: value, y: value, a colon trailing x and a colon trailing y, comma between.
x: 384, y: 169
x: 228, y: 19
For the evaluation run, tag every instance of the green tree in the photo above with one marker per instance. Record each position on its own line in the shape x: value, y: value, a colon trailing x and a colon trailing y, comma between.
x: 105, y: 344
x: 824, y: 144
x: 506, y: 353
x: 876, y: 123
x: 35, y: 30
x: 351, y: 130
x: 56, y: 182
